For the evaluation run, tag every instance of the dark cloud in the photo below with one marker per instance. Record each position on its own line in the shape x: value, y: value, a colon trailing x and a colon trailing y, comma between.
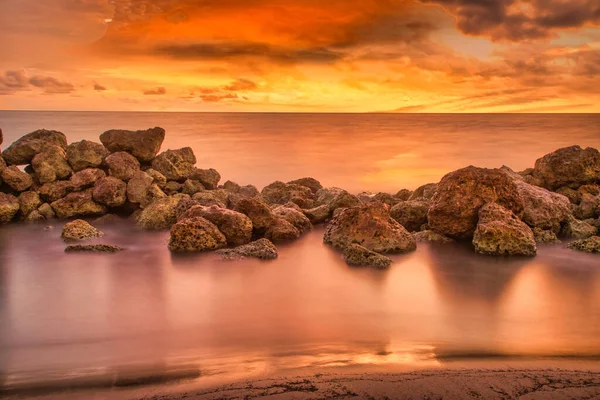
x: 51, y: 85
x: 241, y: 85
x: 216, y: 98
x: 99, y: 88
x: 159, y: 91
x: 14, y: 81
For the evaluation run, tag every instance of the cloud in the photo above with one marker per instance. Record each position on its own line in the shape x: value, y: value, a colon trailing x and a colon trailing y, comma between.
x: 241, y: 85
x: 99, y: 88
x: 216, y: 98
x: 51, y: 85
x: 159, y: 91
x: 14, y: 81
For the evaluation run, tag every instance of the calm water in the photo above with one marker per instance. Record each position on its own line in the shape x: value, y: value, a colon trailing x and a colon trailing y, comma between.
x: 91, y: 317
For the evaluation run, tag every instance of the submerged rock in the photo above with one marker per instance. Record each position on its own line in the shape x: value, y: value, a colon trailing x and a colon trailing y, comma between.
x: 80, y: 230
x: 93, y: 248
x: 359, y: 256
x: 18, y: 180
x: 236, y: 226
x: 569, y: 166
x: 86, y: 154
x: 51, y: 164
x: 122, y: 166
x: 159, y: 215
x: 195, y: 235
x: 263, y: 249
x: 175, y: 165
x: 9, y: 207
x: 143, y: 145
x: 589, y: 245
x: 411, y: 214
x: 23, y: 150
x: 577, y: 229
x: 78, y: 204
x: 500, y: 232
x: 431, y: 236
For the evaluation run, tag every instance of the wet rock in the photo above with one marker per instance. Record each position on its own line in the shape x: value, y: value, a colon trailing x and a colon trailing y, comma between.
x: 236, y: 226
x: 577, y: 229
x: 51, y: 192
x: 569, y: 166
x: 280, y: 231
x: 143, y: 145
x: 46, y: 211
x: 211, y: 198
x: 311, y: 183
x: 195, y: 235
x: 460, y: 195
x: 281, y: 193
x: 175, y: 165
x: 589, y: 245
x: 9, y: 207
x: 159, y: 215
x: 542, y: 208
x: 263, y: 249
x: 404, y: 194
x: 294, y: 217
x: 359, y: 256
x: 318, y: 215
x: 18, y: 180
x: 78, y: 204
x: 192, y: 187
x: 431, y: 236
x: 86, y: 178
x: 411, y: 214
x: 172, y: 188
x: 336, y: 198
x: 424, y: 192
x: 545, y: 236
x: 93, y: 248
x: 371, y: 226
x: 122, y: 166
x: 86, y: 154
x: 23, y: 150
x: 209, y: 178
x: 51, y: 164
x: 258, y: 211
x: 500, y: 232
x: 138, y: 187
x: 29, y: 201
x: 110, y: 191
x: 79, y: 230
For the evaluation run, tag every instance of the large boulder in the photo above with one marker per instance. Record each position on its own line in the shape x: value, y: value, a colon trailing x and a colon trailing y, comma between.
x: 424, y: 192
x: 51, y: 192
x: 209, y: 178
x: 294, y: 217
x: 588, y: 205
x: 80, y: 230
x: 18, y: 180
x: 29, y: 201
x: 569, y: 166
x: 175, y: 165
x: 371, y: 226
x: 359, y: 256
x: 138, y: 187
x: 86, y: 154
x: 311, y: 183
x: 335, y: 198
x: 454, y: 209
x: 159, y: 215
x: 280, y: 231
x: 500, y: 232
x: 257, y: 210
x: 411, y: 214
x: 589, y: 245
x: 576, y: 229
x: 78, y: 204
x: 542, y: 208
x: 23, y: 150
x: 51, y: 165
x: 281, y: 193
x: 143, y: 145
x: 236, y: 226
x: 86, y: 178
x: 263, y: 249
x: 9, y: 207
x: 194, y: 235
x: 122, y: 165
x: 110, y: 191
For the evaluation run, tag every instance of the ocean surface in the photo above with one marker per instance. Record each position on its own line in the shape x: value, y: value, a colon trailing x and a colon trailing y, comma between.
x: 97, y: 320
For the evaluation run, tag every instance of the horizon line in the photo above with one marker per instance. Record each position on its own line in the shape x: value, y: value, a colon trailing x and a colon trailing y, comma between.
x: 307, y: 112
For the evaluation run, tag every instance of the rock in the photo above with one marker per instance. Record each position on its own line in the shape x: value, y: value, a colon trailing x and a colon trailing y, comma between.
x: 588, y: 207
x: 93, y: 248
x: 594, y: 222
x: 589, y: 245
x: 158, y: 178
x: 263, y: 249
x: 336, y: 198
x: 577, y: 229
x: 318, y: 215
x: 9, y: 207
x: 79, y: 230
x: 154, y: 193
x: 424, y: 192
x: 29, y: 201
x: 143, y: 145
x: 175, y: 165
x: 51, y: 164
x: 258, y: 211
x: 371, y: 226
x: 280, y: 231
x: 545, y: 236
x: 281, y: 193
x: 500, y: 232
x: 18, y: 180
x: 23, y: 150
x: 404, y: 194
x: 51, y: 192
x: 86, y: 178
x: 46, y: 211
x: 431, y: 236
x: 107, y: 219
x: 86, y: 154
x: 542, y: 208
x: 122, y: 166
x: 294, y: 217
x: 236, y: 226
x: 231, y: 187
x: 34, y: 216
x: 311, y: 183
x: 386, y: 198
x: 1, y: 137
x: 195, y: 235
x: 569, y: 166
x: 359, y: 256
x: 172, y: 188
x: 138, y: 187
x: 110, y: 191
x: 192, y: 187
x: 159, y: 215
x: 411, y: 214
x: 183, y: 206
x: 2, y: 164
x: 209, y: 178
x: 210, y: 198
x: 573, y: 195
x: 78, y: 204
x: 460, y: 195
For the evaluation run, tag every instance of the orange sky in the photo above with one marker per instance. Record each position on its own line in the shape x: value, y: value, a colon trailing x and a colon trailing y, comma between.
x: 301, y: 55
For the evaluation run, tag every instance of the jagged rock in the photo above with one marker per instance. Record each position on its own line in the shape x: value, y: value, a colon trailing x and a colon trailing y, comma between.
x: 2, y: 164
x: 78, y: 204
x: 154, y: 193
x: 34, y: 216
x: 573, y: 195
x: 280, y: 193
x: 460, y: 195
x: 192, y: 187
x: 18, y: 180
x: 569, y: 166
x: 183, y: 206
x: 23, y: 150
x: 158, y: 178
x: 143, y: 145
x: 159, y: 215
x: 545, y: 236
x: 359, y: 256
x: 593, y: 222
x: 231, y: 187
x: 86, y: 178
x: 336, y: 198
x: 431, y: 236
x: 311, y: 183
x: 209, y: 178
x: 404, y: 194
x: 51, y: 164
x: 93, y: 248
x: 588, y: 207
x: 86, y: 154
x: 576, y: 229
x: 542, y: 208
x: 51, y: 192
x: 589, y: 245
x: 288, y: 205
x: 172, y: 188
x: 194, y: 235
x: 294, y: 217
x: 79, y: 230
x: 236, y: 226
x: 424, y: 192
x: 138, y: 187
x: 385, y: 198
x: 9, y: 207
x: 122, y: 165
x: 411, y: 214
x: 175, y: 165
x: 500, y: 232
x: 258, y: 211
x: 318, y: 215
x: 46, y: 211
x: 280, y: 231
x: 110, y: 191
x: 29, y: 201
x: 211, y: 198
x: 263, y: 249
x: 371, y: 226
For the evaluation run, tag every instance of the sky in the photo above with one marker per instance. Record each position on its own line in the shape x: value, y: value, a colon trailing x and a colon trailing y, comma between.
x: 301, y: 55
